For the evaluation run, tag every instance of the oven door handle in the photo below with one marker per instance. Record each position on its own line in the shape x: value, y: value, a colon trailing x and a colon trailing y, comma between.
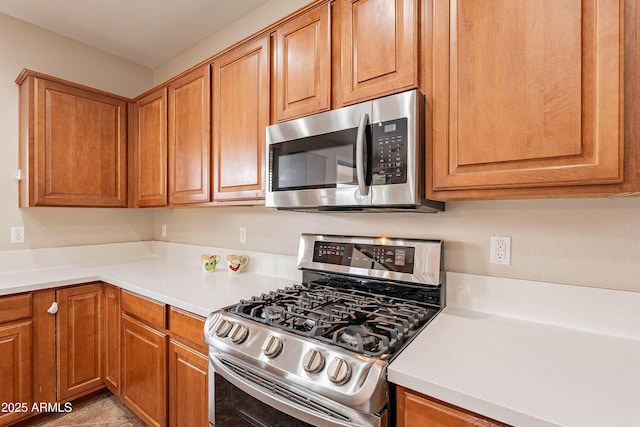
x: 280, y: 403
x: 361, y: 139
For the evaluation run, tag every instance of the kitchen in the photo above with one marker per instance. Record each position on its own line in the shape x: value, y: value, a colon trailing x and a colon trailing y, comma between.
x: 588, y: 242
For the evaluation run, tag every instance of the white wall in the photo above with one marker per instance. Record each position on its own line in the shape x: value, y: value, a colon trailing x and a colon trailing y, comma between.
x: 262, y: 17
x: 591, y: 242
x: 23, y: 45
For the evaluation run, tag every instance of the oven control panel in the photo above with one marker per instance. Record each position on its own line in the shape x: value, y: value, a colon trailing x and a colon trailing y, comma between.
x: 389, y: 152
x: 399, y: 259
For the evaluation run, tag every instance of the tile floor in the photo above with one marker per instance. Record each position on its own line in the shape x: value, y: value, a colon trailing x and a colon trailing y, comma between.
x: 103, y: 410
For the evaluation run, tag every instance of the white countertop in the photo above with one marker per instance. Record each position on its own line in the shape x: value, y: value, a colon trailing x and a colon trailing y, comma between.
x: 170, y: 273
x: 524, y: 353
x: 529, y: 372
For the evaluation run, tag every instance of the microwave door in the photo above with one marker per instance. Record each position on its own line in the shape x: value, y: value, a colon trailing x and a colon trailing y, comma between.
x: 319, y: 161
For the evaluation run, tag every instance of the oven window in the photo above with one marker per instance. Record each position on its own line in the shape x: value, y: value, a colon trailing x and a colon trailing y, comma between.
x: 234, y: 408
x: 320, y: 161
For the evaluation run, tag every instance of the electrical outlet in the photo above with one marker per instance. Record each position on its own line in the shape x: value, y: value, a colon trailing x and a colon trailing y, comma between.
x: 17, y: 234
x: 501, y: 250
x: 163, y: 230
x: 243, y: 235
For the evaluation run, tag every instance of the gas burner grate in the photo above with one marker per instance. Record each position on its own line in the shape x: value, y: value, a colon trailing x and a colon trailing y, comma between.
x: 331, y: 313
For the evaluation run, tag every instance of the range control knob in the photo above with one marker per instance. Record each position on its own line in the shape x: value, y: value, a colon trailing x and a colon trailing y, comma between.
x: 313, y: 361
x: 272, y: 346
x: 238, y: 333
x: 339, y: 371
x: 222, y: 328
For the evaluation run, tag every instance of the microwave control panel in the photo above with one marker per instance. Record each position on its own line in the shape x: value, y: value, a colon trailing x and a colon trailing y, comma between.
x: 389, y: 152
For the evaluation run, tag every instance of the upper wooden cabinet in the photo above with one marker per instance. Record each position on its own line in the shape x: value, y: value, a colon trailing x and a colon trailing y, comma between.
x: 379, y: 48
x: 240, y: 116
x: 525, y: 94
x: 190, y: 137
x: 302, y: 65
x: 73, y: 144
x: 149, y: 166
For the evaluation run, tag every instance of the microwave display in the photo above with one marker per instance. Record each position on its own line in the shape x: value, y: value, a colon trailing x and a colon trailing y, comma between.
x: 389, y: 152
x: 320, y: 161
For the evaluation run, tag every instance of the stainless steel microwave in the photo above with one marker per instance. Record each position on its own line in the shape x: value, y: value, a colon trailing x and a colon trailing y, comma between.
x: 367, y: 156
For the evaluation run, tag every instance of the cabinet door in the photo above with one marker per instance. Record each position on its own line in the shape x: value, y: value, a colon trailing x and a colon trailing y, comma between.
x: 112, y: 338
x: 144, y: 371
x: 79, y: 340
x: 150, y: 150
x: 379, y: 41
x: 79, y: 147
x: 302, y: 65
x: 190, y: 137
x: 15, y: 370
x: 526, y: 94
x: 240, y: 115
x: 418, y: 410
x: 188, y: 386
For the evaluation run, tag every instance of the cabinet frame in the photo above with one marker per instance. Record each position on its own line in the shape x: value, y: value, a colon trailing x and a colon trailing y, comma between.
x: 599, y: 159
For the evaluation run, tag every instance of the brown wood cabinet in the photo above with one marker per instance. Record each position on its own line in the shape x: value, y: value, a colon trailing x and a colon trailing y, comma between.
x: 15, y: 357
x: 79, y: 340
x: 524, y: 94
x: 379, y: 48
x: 302, y: 65
x: 240, y: 115
x: 149, y: 166
x: 73, y: 144
x: 415, y: 409
x: 144, y: 371
x: 111, y: 333
x: 144, y: 358
x: 188, y: 386
x: 190, y: 137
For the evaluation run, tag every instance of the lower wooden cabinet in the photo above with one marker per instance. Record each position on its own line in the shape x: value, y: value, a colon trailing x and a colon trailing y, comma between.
x: 111, y: 325
x: 79, y: 340
x: 164, y: 363
x: 15, y: 370
x: 188, y: 386
x: 150, y: 355
x: 144, y: 371
x: 415, y: 409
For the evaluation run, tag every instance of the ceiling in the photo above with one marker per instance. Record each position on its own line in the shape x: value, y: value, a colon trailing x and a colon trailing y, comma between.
x: 147, y: 32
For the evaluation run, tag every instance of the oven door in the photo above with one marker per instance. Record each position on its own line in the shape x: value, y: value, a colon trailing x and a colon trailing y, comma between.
x: 239, y: 397
x: 320, y: 160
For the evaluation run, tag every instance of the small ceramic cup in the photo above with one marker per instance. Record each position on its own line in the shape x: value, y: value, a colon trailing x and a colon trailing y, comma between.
x: 209, y: 262
x: 236, y: 263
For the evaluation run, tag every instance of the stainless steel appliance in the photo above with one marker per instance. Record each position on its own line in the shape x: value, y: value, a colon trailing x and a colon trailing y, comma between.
x: 316, y: 353
x: 367, y: 156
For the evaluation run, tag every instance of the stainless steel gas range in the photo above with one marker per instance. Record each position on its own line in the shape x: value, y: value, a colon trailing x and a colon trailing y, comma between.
x: 316, y: 353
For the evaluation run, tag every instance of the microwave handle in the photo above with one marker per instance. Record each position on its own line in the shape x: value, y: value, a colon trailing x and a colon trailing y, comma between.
x: 360, y: 154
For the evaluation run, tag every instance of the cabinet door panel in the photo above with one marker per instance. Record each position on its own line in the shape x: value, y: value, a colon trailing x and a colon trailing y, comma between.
x: 303, y: 65
x: 79, y: 340
x: 81, y: 141
x: 415, y: 409
x: 379, y: 47
x: 150, y: 150
x: 240, y: 115
x: 112, y: 338
x: 527, y: 93
x: 144, y: 371
x: 190, y: 137
x: 15, y: 368
x: 188, y: 387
